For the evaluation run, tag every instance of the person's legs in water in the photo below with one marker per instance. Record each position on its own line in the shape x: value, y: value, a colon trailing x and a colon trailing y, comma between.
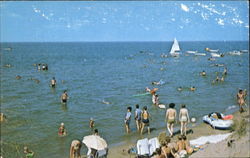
x: 182, y: 127
x: 142, y: 127
x: 169, y: 130
x: 172, y: 128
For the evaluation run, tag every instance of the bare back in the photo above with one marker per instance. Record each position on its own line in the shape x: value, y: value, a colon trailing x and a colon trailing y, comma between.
x: 171, y: 113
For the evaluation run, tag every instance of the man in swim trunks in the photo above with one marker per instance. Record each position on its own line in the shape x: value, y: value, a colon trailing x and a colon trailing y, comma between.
x: 75, y: 149
x: 91, y: 123
x: 170, y: 118
x: 183, y: 118
x: 145, y: 119
x: 127, y: 119
x: 138, y: 117
x: 241, y: 100
x: 53, y: 82
x: 64, y: 97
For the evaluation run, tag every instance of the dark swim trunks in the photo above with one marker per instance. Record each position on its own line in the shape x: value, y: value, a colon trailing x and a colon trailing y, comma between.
x: 64, y: 101
x: 145, y: 121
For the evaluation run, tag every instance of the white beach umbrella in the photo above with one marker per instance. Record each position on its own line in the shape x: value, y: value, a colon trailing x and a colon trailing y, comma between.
x: 95, y: 142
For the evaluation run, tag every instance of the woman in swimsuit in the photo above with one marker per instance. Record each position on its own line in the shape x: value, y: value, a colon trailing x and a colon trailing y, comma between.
x: 183, y: 118
x: 145, y: 119
x: 241, y: 100
x: 62, y: 130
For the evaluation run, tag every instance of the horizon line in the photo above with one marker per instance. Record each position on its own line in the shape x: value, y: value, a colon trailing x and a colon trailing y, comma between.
x: 120, y: 41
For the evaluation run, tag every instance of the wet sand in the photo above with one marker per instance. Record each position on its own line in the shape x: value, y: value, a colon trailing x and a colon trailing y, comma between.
x: 239, y: 149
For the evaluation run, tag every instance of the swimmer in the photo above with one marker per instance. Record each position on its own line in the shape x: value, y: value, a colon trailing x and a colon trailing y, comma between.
x: 127, y: 119
x: 18, y: 77
x: 53, y: 82
x: 39, y: 67
x: 225, y: 71
x: 192, y: 88
x: 179, y: 89
x: 138, y: 117
x: 2, y: 117
x: 211, y: 58
x: 62, y: 130
x: 155, y: 99
x: 170, y: 118
x: 105, y: 102
x: 96, y: 133
x: 155, y: 83
x: 7, y: 65
x: 43, y: 67
x: 184, y: 119
x: 28, y: 153
x: 203, y: 73
x: 147, y: 89
x: 222, y: 79
x: 145, y: 119
x: 91, y: 123
x: 75, y: 149
x: 217, y: 79
x: 64, y: 97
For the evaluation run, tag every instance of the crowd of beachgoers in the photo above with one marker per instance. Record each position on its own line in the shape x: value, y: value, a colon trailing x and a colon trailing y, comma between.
x: 142, y: 117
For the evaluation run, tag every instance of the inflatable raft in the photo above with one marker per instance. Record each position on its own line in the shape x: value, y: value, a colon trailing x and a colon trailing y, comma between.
x: 218, y: 120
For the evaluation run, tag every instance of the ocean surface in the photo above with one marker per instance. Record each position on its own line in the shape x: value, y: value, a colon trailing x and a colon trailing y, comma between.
x: 113, y: 71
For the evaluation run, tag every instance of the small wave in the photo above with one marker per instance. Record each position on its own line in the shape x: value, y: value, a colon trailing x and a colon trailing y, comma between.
x: 231, y: 107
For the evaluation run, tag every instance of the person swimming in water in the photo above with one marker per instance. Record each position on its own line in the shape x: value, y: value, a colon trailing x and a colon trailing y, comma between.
x: 179, y: 89
x: 64, y: 97
x: 75, y: 149
x: 62, y: 130
x: 192, y: 88
x: 138, y: 117
x: 28, y: 153
x: 203, y: 73
x: 145, y: 119
x: 225, y: 71
x: 127, y: 119
x: 91, y: 123
x: 155, y: 99
x: 53, y: 82
x: 184, y: 119
x: 170, y: 118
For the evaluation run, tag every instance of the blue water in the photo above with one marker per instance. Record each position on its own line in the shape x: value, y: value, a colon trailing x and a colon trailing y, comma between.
x: 114, y: 72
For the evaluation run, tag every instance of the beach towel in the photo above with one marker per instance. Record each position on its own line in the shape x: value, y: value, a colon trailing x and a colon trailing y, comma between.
x: 153, y: 145
x: 143, y: 147
x: 209, y: 139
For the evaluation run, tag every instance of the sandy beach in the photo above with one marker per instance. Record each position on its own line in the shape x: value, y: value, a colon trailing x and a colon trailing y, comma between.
x: 239, y: 147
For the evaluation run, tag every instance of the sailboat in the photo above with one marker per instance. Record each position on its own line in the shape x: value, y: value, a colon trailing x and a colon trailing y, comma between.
x: 175, y: 50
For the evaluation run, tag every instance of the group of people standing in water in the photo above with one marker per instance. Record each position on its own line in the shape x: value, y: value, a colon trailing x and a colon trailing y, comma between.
x: 142, y: 118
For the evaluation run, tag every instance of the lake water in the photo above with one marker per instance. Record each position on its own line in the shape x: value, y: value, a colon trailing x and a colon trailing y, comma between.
x: 114, y: 72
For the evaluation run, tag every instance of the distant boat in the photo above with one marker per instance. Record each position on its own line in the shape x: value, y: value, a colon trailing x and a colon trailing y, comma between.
x: 212, y: 50
x: 200, y: 54
x: 175, y: 50
x: 191, y: 52
x: 235, y: 53
x: 244, y: 51
x: 216, y: 55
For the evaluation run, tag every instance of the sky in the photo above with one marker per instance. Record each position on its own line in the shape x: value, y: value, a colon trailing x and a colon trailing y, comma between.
x: 70, y: 21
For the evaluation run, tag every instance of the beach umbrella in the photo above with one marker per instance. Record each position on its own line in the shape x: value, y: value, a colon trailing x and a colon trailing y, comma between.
x: 95, y: 142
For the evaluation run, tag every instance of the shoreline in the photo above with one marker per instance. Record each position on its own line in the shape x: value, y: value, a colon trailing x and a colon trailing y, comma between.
x: 199, y: 130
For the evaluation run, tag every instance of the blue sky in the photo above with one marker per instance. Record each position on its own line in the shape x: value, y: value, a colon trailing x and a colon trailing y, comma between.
x: 124, y: 21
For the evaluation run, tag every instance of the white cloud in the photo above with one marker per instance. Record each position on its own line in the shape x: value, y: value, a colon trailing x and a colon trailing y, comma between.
x: 220, y: 21
x: 184, y: 8
x: 147, y: 28
x: 246, y: 26
x: 204, y: 16
x: 173, y: 19
x: 104, y: 20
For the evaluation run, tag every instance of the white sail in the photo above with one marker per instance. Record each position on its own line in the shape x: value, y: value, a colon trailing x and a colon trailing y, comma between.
x: 175, y: 48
